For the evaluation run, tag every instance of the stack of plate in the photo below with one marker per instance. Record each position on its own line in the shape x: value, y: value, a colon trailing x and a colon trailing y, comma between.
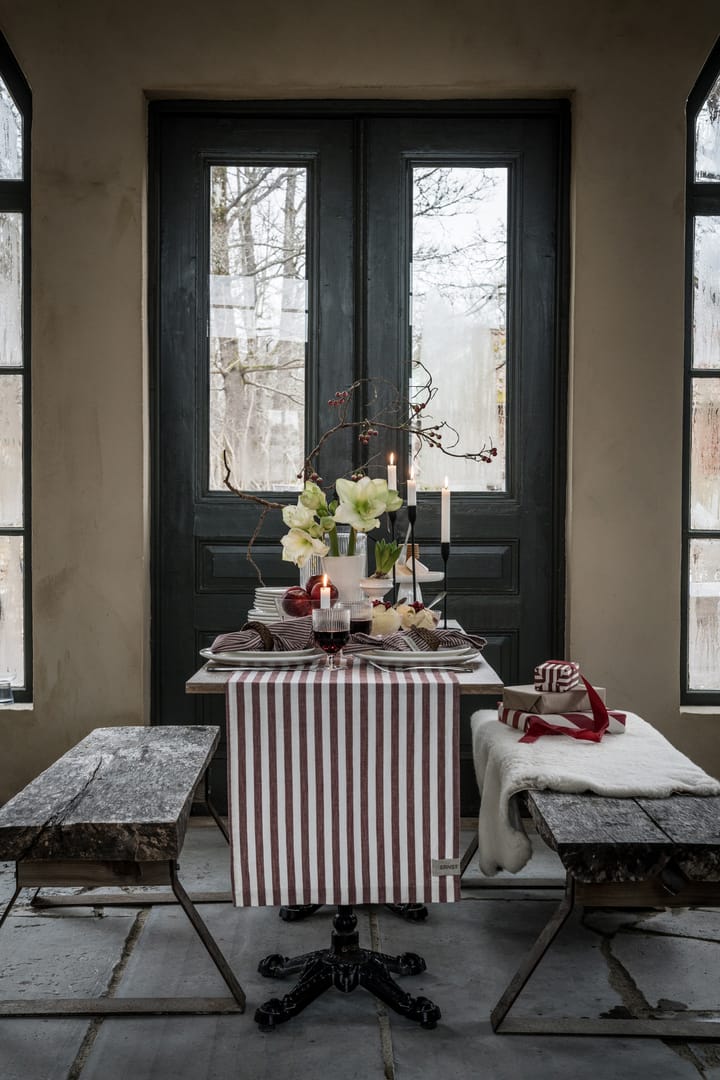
x: 266, y: 606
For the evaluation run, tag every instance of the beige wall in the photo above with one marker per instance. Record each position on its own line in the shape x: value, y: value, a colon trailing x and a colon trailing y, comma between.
x: 627, y: 66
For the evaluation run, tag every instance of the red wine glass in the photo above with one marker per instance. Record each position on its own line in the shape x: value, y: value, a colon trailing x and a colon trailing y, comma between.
x: 331, y: 630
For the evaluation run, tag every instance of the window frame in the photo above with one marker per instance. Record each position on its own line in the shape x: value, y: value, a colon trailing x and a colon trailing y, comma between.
x: 702, y: 200
x: 15, y: 198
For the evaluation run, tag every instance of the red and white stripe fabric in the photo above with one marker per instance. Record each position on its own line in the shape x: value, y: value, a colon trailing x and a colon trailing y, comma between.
x: 343, y: 786
x: 557, y: 675
x: 581, y: 725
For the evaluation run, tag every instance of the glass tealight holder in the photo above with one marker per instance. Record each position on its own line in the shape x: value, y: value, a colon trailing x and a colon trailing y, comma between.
x: 6, y: 687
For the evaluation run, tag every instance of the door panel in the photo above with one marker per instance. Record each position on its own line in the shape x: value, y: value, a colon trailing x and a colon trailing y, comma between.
x: 361, y: 168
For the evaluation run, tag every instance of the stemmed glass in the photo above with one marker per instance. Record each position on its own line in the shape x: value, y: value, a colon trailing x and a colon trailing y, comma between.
x: 331, y: 629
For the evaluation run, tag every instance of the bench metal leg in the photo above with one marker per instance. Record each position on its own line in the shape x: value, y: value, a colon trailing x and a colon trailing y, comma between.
x: 207, y: 939
x: 531, y: 961
x: 127, y: 1006
x: 657, y: 1027
x: 10, y: 903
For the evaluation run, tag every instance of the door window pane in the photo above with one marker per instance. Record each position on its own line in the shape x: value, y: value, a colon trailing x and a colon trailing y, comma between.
x: 459, y: 306
x: 11, y: 134
x: 12, y: 657
x: 11, y: 290
x: 707, y: 134
x: 706, y: 293
x: 704, y: 616
x: 257, y: 325
x: 11, y: 463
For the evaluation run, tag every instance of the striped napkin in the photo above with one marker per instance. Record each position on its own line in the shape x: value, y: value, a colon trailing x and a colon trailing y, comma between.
x: 258, y: 637
x: 415, y: 641
x: 298, y: 634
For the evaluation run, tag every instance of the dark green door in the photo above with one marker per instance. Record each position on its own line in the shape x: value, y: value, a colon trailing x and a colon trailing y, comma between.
x: 298, y: 251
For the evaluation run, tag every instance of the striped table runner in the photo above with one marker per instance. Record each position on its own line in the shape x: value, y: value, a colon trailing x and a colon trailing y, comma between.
x: 343, y: 786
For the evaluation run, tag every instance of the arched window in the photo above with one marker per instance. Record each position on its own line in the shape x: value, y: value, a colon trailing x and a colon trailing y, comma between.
x: 15, y: 635
x: 701, y: 533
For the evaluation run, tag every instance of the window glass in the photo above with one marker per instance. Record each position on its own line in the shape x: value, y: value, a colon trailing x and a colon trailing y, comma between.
x: 458, y: 315
x: 704, y: 615
x: 707, y: 138
x: 11, y: 343
x: 12, y: 573
x: 706, y: 293
x: 257, y: 324
x: 11, y: 446
x: 11, y: 135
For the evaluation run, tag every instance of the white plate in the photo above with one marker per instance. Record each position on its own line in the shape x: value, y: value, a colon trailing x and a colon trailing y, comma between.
x: 249, y: 658
x: 438, y: 658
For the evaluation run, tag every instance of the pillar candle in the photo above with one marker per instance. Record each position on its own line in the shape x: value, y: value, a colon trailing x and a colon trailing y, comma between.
x: 392, y: 474
x: 325, y: 593
x: 445, y: 513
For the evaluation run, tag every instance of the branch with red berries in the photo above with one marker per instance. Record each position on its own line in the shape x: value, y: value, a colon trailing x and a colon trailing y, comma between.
x: 382, y: 408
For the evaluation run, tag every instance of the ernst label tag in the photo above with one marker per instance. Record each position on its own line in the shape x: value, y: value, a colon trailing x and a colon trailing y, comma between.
x: 445, y: 867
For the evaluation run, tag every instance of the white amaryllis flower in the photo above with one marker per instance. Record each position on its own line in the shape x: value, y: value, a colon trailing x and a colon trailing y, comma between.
x: 298, y: 546
x: 298, y: 517
x: 362, y: 501
x: 312, y: 496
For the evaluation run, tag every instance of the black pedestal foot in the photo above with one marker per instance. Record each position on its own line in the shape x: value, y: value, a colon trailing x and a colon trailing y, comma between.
x: 295, y: 912
x: 411, y: 912
x: 345, y: 966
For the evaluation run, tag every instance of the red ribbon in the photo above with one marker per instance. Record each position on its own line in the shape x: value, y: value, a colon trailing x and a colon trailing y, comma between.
x: 538, y: 727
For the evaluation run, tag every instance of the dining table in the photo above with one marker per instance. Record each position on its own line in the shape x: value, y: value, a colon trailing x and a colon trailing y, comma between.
x: 343, y: 789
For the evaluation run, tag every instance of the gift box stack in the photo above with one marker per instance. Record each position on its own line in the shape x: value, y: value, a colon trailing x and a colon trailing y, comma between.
x: 560, y: 702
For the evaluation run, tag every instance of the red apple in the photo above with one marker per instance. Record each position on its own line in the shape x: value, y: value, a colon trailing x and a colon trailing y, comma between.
x: 315, y: 591
x: 296, y: 601
x: 313, y: 581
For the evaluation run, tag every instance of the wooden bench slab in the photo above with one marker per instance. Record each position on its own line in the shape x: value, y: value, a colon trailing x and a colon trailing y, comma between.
x: 600, y: 839
x: 123, y: 793
x: 621, y: 853
x: 114, y: 811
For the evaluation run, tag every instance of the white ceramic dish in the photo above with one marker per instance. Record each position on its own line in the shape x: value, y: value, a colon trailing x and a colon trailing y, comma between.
x: 436, y: 658
x: 248, y: 658
x: 423, y: 577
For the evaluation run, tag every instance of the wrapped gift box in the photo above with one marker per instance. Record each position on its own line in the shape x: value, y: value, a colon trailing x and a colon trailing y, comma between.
x: 557, y: 675
x: 528, y: 699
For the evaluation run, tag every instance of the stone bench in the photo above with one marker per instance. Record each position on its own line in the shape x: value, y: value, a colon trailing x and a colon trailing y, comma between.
x: 621, y: 853
x: 113, y: 811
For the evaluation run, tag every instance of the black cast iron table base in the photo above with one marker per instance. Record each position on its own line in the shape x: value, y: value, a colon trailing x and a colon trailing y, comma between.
x: 345, y: 966
x: 411, y: 912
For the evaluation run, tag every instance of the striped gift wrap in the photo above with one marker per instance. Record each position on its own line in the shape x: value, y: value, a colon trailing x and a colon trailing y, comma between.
x: 557, y: 675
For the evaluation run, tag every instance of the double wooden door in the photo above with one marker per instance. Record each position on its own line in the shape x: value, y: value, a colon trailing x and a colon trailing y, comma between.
x: 296, y: 249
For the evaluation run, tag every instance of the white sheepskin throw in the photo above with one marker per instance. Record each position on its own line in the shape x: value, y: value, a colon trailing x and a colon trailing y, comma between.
x: 642, y: 763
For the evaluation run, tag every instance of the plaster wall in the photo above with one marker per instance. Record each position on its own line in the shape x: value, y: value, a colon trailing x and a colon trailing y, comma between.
x: 626, y: 65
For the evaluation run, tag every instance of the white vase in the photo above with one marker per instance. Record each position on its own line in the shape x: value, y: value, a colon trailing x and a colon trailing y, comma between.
x: 345, y: 572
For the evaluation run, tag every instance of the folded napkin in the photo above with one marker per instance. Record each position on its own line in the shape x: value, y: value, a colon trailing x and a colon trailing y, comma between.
x: 412, y: 640
x: 261, y: 637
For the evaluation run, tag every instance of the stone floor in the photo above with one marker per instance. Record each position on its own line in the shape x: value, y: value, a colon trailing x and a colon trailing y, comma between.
x: 602, y: 962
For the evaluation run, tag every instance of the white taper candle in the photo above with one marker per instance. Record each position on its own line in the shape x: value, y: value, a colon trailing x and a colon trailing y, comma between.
x: 445, y: 513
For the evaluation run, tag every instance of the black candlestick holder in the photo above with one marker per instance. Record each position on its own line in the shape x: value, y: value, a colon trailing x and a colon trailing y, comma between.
x: 392, y: 517
x: 445, y: 552
x: 412, y: 515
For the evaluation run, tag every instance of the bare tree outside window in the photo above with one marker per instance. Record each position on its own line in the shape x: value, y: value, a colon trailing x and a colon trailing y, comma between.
x: 458, y: 315
x: 257, y: 324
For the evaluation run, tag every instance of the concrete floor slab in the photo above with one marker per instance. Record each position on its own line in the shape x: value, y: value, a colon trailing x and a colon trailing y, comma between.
x: 337, y: 1032
x: 69, y: 953
x: 471, y: 949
